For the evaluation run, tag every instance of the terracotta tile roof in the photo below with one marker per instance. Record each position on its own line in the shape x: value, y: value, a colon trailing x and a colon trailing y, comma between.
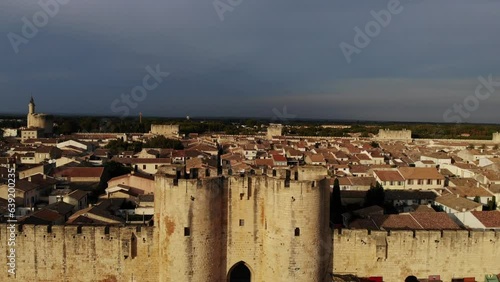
x: 391, y: 195
x: 279, y: 158
x: 25, y: 185
x: 42, y: 217
x: 363, y: 157
x: 389, y: 175
x: 44, y: 149
x: 395, y: 222
x: 457, y: 203
x: 264, y: 162
x: 362, y: 181
x: 317, y: 158
x: 80, y: 172
x: 142, y: 160
x: 420, y: 173
x: 488, y: 218
x: 469, y: 191
x: 77, y: 194
x: 434, y: 221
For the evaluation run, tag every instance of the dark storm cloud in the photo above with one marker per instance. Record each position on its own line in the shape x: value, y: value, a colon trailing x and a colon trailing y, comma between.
x: 264, y: 55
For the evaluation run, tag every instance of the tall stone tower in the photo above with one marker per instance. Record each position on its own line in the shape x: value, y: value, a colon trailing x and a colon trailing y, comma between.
x: 31, y: 106
x: 35, y: 119
x: 243, y: 228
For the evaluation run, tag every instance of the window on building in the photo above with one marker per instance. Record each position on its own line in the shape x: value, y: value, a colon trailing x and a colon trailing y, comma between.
x: 420, y: 182
x: 242, y: 222
x: 410, y: 182
x: 297, y: 232
x: 187, y: 231
x: 429, y: 181
x: 438, y: 182
x: 392, y: 183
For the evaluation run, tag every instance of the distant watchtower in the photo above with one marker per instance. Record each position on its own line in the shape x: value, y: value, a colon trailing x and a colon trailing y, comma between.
x: 496, y: 137
x: 274, y: 130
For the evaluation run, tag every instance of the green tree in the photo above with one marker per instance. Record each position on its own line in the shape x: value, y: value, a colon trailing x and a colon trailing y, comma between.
x: 67, y: 127
x: 492, y: 204
x: 374, y: 144
x: 375, y: 196
x: 336, y: 204
x: 118, y: 145
x: 115, y: 169
x: 163, y: 142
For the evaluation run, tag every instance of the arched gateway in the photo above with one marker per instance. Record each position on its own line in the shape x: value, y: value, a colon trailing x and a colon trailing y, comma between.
x: 239, y: 273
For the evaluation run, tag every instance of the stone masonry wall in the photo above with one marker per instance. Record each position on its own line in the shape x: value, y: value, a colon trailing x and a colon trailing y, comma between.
x: 70, y: 253
x: 397, y: 254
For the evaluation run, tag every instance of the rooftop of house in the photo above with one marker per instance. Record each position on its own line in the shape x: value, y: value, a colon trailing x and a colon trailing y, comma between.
x: 389, y: 175
x: 457, y: 203
x: 469, y: 191
x: 488, y: 218
x: 77, y: 194
x: 86, y: 172
x: 420, y: 173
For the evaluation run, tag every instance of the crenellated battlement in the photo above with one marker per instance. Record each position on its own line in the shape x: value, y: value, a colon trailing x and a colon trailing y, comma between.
x: 79, y: 231
x: 397, y: 254
x: 445, y: 234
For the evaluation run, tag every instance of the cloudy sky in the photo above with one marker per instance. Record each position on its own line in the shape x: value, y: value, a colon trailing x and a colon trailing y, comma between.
x: 263, y: 56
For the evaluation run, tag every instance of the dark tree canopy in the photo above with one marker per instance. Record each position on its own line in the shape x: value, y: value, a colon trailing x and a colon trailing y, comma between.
x: 336, y: 204
x: 163, y: 142
x: 375, y: 196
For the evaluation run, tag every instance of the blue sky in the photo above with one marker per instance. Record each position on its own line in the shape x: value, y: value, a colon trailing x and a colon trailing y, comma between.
x: 262, y: 56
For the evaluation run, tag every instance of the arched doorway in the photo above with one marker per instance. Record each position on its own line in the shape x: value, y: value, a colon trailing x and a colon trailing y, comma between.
x: 240, y: 273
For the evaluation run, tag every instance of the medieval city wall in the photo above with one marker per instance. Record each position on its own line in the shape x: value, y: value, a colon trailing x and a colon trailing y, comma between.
x: 168, y: 130
x: 385, y: 134
x: 398, y: 254
x: 87, y: 253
